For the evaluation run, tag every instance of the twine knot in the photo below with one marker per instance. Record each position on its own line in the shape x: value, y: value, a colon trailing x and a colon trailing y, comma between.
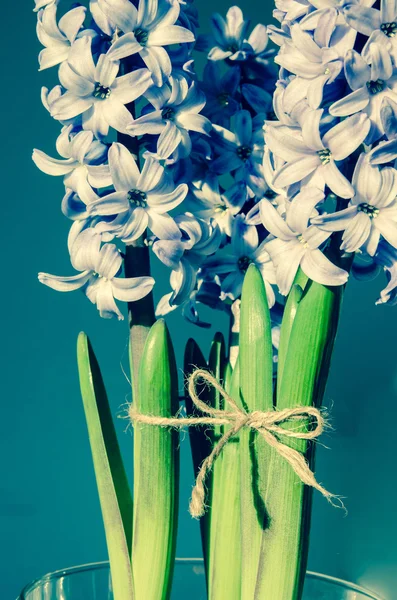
x: 268, y: 424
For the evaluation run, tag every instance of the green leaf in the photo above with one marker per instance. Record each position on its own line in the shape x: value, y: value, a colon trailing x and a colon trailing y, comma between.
x: 156, y: 470
x: 224, y: 581
x: 256, y: 385
x: 291, y: 306
x: 200, y: 442
x: 305, y: 373
x: 113, y: 489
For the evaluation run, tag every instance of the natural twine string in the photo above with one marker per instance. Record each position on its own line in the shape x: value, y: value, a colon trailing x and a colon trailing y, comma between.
x: 267, y: 424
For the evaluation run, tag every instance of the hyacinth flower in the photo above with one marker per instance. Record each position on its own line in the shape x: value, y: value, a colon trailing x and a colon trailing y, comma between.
x: 146, y: 32
x: 59, y: 37
x: 99, y: 268
x: 95, y: 91
x: 82, y: 165
x: 245, y: 250
x: 371, y: 84
x: 184, y: 256
x: 386, y: 151
x: 296, y: 243
x: 241, y: 150
x: 176, y: 113
x: 312, y: 156
x: 141, y: 200
x: 371, y: 213
x: 378, y: 24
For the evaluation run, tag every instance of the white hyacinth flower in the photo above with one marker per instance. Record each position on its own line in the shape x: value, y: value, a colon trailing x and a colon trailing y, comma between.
x: 98, y: 268
x: 372, y: 211
x: 59, y: 37
x: 146, y: 30
x: 95, y: 91
x: 81, y: 165
x: 141, y: 200
x: 296, y: 243
x: 309, y: 153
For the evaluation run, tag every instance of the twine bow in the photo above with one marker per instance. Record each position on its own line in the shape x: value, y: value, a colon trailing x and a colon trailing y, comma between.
x: 267, y: 424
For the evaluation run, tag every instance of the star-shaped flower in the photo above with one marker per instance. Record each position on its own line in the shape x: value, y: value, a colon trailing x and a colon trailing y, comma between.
x: 146, y: 30
x: 95, y: 91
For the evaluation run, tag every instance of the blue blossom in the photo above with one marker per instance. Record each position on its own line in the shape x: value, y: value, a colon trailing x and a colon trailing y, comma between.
x: 208, y: 202
x: 145, y: 31
x: 95, y: 91
x: 241, y: 151
x: 99, y: 267
x: 185, y: 256
x: 220, y: 91
x: 230, y: 38
x: 314, y: 59
x: 232, y: 261
x: 386, y: 257
x: 141, y: 200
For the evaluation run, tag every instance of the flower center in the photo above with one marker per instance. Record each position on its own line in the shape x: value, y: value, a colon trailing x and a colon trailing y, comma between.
x: 303, y: 241
x: 232, y: 48
x: 141, y: 36
x: 224, y: 99
x: 243, y: 263
x: 101, y: 92
x: 325, y: 156
x: 389, y: 29
x: 374, y: 87
x: 270, y: 194
x: 368, y: 209
x: 137, y: 198
x: 244, y: 152
x: 168, y: 114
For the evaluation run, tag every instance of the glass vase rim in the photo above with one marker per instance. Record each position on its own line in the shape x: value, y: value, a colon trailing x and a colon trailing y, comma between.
x: 105, y: 564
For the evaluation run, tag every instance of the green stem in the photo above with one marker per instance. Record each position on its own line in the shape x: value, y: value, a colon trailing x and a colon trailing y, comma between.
x: 137, y: 264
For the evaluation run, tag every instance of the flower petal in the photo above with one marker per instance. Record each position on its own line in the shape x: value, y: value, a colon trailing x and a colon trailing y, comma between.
x: 131, y: 289
x: 320, y: 269
x: 336, y: 181
x: 301, y: 208
x: 125, y: 45
x: 162, y: 203
x: 346, y: 136
x: 128, y: 88
x: 273, y: 221
x: 351, y: 103
x: 296, y: 170
x: 65, y: 284
x: 123, y: 168
x: 122, y: 12
x: 172, y: 34
x: 168, y: 141
x: 53, y: 166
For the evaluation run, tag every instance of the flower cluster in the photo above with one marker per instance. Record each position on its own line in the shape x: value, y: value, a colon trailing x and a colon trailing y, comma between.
x: 233, y: 168
x: 187, y: 167
x: 331, y: 153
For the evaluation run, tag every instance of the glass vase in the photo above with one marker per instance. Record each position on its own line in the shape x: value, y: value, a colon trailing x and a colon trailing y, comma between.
x: 92, y: 582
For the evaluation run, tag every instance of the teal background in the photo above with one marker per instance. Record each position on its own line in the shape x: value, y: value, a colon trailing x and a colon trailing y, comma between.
x: 49, y: 510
